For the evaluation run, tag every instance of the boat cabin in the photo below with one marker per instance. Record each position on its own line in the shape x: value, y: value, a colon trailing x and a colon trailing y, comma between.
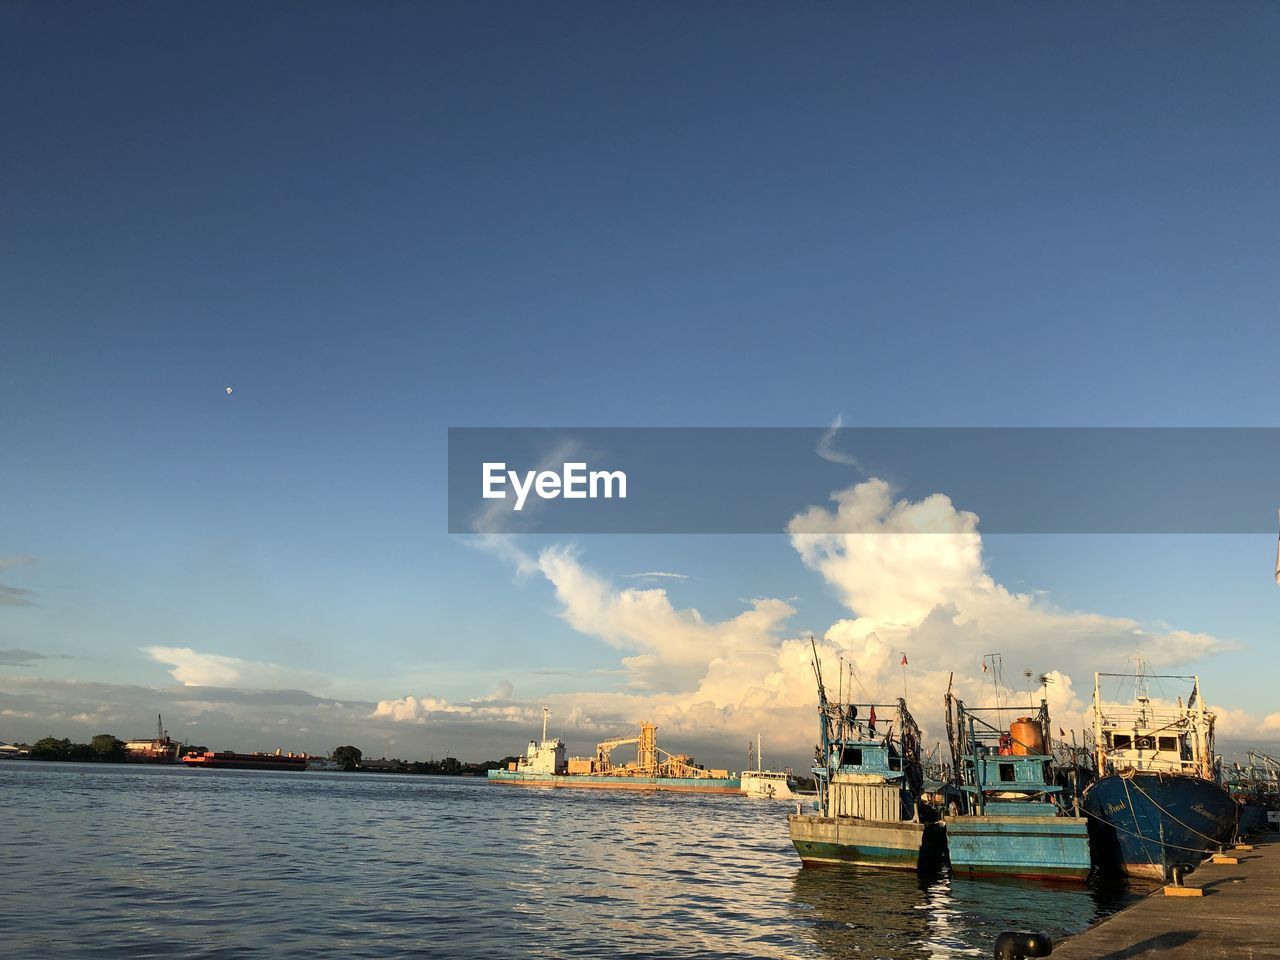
x: 1002, y: 761
x: 876, y: 759
x: 1147, y: 748
x: 869, y: 768
x: 545, y: 755
x: 1160, y: 737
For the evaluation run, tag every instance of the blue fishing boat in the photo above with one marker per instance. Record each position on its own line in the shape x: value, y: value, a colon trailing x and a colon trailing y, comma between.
x: 870, y: 778
x: 1157, y: 802
x: 1005, y: 816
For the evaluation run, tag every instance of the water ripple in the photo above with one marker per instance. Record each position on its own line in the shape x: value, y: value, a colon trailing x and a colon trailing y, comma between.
x: 156, y: 862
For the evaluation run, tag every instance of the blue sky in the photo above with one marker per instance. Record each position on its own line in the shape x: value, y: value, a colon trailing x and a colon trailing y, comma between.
x: 379, y: 222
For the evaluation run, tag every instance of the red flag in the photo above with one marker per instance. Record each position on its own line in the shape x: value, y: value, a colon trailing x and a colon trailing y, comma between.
x: 984, y: 666
x: 904, y: 659
x: 871, y: 720
x: 1061, y: 732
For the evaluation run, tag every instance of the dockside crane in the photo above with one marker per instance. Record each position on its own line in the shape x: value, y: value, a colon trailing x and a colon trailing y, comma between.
x: 651, y: 761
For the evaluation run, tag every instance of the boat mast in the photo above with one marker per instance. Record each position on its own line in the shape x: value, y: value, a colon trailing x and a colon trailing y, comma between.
x: 1099, y: 739
x: 1204, y: 745
x: 824, y: 722
x: 546, y: 713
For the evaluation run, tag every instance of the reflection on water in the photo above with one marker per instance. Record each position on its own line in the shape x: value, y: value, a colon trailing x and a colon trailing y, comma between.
x: 849, y: 911
x: 140, y: 862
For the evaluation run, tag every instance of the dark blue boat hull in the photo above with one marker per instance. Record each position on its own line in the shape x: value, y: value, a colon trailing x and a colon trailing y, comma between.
x: 1144, y: 823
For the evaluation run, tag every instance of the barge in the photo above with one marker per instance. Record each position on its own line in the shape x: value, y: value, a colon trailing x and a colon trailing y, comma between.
x: 545, y: 764
x: 227, y: 760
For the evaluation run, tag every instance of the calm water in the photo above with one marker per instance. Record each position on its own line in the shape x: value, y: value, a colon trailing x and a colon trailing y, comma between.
x: 120, y: 861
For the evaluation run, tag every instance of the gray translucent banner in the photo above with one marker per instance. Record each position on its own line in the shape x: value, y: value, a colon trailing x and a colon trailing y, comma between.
x: 755, y: 480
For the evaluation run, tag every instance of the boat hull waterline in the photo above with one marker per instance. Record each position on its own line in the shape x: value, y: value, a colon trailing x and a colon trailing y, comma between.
x: 866, y: 843
x: 226, y: 760
x: 589, y: 782
x: 1027, y: 847
x: 1143, y: 823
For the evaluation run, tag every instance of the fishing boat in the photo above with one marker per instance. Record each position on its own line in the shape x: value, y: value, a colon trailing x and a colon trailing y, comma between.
x: 1157, y: 802
x: 1005, y: 815
x: 766, y: 784
x: 869, y: 776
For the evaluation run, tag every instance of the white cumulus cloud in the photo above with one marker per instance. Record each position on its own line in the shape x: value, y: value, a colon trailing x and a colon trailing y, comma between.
x: 669, y: 649
x: 415, y: 709
x: 195, y: 669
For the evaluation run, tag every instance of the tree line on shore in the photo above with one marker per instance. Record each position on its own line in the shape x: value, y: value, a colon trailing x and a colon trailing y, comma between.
x: 104, y: 748
x: 353, y: 759
x: 108, y: 748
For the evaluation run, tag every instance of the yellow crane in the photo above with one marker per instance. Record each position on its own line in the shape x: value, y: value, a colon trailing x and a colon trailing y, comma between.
x: 646, y: 764
x: 650, y: 760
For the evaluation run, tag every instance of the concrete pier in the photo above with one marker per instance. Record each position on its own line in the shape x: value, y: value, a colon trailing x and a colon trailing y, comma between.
x: 1236, y: 917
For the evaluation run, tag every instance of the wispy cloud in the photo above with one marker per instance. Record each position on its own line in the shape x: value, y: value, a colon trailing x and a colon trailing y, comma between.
x: 496, y: 523
x: 504, y: 547
x: 655, y: 575
x: 497, y: 516
x: 16, y: 596
x: 827, y: 448
x: 17, y: 657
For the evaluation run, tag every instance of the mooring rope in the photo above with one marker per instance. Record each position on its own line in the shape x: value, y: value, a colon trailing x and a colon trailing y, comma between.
x: 1173, y: 818
x: 1134, y: 810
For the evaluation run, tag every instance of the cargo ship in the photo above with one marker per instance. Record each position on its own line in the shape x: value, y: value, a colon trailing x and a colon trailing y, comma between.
x: 227, y: 760
x: 544, y: 764
x: 1157, y: 803
x: 160, y: 749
